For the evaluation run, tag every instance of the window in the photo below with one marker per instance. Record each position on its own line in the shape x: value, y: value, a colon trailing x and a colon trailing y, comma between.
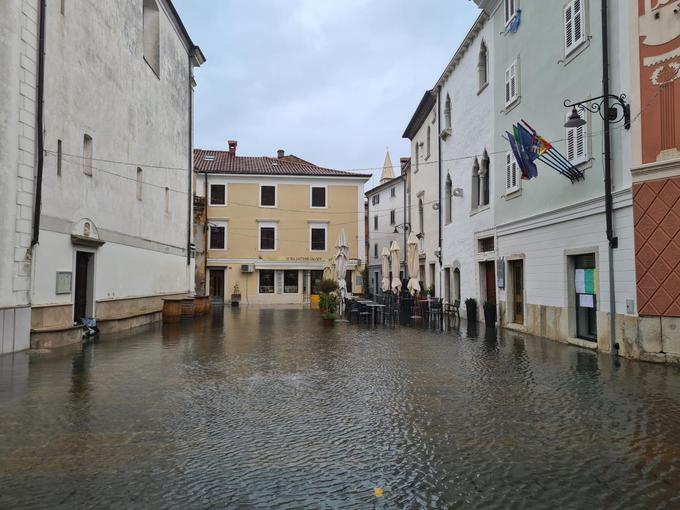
x: 218, y: 236
x: 393, y: 216
x: 448, y: 200
x: 152, y: 36
x: 267, y: 196
x: 62, y: 8
x: 428, y: 152
x: 511, y: 173
x: 318, y: 196
x: 484, y: 180
x: 375, y: 222
x: 475, y: 184
x: 266, y: 283
x: 421, y: 215
x: 447, y: 113
x: 267, y: 237
x: 139, y: 183
x: 375, y: 251
x: 87, y: 154
x: 167, y: 199
x: 483, y: 66
x: 375, y: 199
x: 59, y: 156
x: 511, y: 83
x: 218, y: 195
x: 574, y: 25
x: 317, y: 236
x: 316, y: 277
x: 290, y: 281
x: 577, y: 144
x: 510, y: 10
x: 393, y: 191
x: 417, y: 156
x: 486, y: 245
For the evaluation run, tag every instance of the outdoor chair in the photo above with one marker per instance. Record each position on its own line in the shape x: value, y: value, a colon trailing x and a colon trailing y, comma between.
x: 453, y: 309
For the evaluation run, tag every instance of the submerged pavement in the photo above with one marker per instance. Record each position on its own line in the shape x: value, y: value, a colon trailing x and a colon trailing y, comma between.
x: 260, y: 408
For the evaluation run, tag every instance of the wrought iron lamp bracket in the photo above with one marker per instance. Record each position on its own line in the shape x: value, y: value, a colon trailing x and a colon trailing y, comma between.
x: 610, y: 108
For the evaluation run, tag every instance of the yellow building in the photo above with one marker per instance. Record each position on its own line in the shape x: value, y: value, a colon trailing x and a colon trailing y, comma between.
x: 272, y: 224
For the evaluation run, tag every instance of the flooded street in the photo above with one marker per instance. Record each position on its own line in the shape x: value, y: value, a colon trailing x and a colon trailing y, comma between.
x: 261, y: 408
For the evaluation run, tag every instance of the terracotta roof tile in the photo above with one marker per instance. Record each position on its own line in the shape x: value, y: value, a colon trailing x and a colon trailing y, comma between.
x: 223, y: 162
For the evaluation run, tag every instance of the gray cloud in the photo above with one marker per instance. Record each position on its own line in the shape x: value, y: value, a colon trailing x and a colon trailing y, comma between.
x: 332, y: 81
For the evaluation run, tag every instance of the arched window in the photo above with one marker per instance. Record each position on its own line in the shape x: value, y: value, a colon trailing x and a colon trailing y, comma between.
x: 447, y: 113
x: 456, y: 284
x: 421, y: 214
x: 475, y: 184
x: 484, y: 180
x: 483, y: 65
x: 152, y: 35
x: 448, y: 200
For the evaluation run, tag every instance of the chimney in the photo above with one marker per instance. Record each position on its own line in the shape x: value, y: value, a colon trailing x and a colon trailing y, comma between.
x: 232, y: 147
x: 280, y: 153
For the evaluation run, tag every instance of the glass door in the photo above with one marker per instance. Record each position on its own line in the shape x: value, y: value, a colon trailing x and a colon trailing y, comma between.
x: 585, y: 283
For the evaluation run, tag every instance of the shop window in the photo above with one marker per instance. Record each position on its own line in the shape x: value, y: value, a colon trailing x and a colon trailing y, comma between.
x: 290, y: 282
x: 266, y: 283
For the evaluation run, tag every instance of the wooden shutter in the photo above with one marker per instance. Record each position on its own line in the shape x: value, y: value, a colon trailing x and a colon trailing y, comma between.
x: 577, y: 144
x: 511, y: 89
x: 574, y: 25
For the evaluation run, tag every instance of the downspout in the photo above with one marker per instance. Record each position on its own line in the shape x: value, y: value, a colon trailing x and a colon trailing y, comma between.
x: 439, y: 170
x: 191, y: 159
x: 205, y: 234
x: 407, y: 221
x: 613, y: 241
x: 39, y: 124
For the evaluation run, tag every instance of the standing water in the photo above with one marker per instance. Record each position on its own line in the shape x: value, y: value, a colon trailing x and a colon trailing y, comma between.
x: 261, y: 408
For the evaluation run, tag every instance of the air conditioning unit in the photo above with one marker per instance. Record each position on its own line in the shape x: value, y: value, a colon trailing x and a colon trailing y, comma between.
x: 247, y: 268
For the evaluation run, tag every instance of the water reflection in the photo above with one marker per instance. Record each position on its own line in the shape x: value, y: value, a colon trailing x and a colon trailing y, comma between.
x: 256, y: 408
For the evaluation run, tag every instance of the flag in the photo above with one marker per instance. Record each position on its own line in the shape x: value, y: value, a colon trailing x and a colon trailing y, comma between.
x: 527, y: 142
x: 515, y: 152
x: 514, y: 23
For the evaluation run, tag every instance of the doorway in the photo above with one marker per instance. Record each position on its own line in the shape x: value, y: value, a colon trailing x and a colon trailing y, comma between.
x: 83, y: 294
x: 217, y: 285
x: 490, y: 281
x: 447, y: 285
x: 456, y: 284
x: 585, y: 284
x: 517, y: 274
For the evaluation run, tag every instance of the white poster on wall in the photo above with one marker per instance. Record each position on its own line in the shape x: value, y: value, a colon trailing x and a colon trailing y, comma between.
x: 586, y: 301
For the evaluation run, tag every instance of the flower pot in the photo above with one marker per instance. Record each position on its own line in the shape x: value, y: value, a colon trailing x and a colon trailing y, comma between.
x: 328, y: 323
x: 471, y: 309
x: 490, y: 316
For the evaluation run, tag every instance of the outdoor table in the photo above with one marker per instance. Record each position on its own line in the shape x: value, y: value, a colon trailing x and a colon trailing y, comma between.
x: 373, y: 306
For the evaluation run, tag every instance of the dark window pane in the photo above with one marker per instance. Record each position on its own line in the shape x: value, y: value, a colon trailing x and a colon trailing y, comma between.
x: 266, y: 281
x: 217, y: 238
x: 316, y: 276
x: 217, y: 194
x: 267, y: 238
x: 268, y: 195
x: 319, y: 239
x: 318, y: 197
x: 290, y: 282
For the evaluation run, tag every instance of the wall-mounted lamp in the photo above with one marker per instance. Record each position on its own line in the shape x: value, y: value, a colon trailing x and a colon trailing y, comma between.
x: 458, y: 192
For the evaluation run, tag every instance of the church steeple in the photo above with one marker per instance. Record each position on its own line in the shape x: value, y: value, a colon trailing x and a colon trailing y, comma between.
x: 387, y: 171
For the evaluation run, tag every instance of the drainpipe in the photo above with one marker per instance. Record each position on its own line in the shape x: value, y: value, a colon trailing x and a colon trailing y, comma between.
x: 613, y: 241
x: 39, y: 124
x: 439, y: 196
x: 205, y: 235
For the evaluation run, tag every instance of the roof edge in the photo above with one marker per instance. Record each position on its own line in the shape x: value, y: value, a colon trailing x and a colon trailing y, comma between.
x: 471, y: 35
x: 426, y: 103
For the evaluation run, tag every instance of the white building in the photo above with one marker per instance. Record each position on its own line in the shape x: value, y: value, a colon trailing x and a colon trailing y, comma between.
x: 468, y: 247
x: 422, y: 187
x: 386, y: 223
x: 111, y: 235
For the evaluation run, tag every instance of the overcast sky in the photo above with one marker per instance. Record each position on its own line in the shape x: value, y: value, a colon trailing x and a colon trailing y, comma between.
x: 332, y: 81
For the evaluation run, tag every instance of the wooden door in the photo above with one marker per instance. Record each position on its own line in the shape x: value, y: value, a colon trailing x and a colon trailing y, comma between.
x: 518, y: 291
x: 217, y: 283
x: 490, y: 271
x: 81, y: 286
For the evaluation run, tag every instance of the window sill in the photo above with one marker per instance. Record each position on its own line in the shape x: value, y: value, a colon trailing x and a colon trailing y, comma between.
x: 427, y: 157
x: 483, y: 88
x: 575, y: 52
x: 509, y: 195
x: 318, y: 207
x: 480, y: 209
x: 216, y: 205
x: 512, y: 105
x: 445, y: 133
x: 267, y: 206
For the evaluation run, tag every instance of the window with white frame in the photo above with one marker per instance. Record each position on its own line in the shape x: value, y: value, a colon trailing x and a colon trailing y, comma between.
x: 574, y: 25
x: 267, y: 238
x: 511, y: 7
x: 375, y: 199
x: 577, y: 144
x: 318, y: 197
x: 267, y: 196
x: 218, y: 194
x: 512, y: 83
x: 317, y: 236
x: 512, y: 177
x: 217, y: 235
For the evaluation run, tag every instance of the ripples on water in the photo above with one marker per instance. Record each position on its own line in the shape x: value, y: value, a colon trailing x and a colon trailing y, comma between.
x: 266, y: 409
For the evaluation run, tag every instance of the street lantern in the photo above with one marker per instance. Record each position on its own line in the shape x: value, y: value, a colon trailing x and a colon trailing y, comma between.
x: 574, y: 120
x: 615, y: 111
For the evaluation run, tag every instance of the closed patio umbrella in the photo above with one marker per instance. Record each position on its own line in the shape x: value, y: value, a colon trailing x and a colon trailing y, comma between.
x: 413, y: 266
x: 341, y: 260
x: 396, y: 282
x: 385, y: 269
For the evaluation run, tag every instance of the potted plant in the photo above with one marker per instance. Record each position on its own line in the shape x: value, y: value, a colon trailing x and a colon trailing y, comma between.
x: 330, y: 301
x: 471, y: 309
x: 236, y: 296
x: 430, y: 290
x: 490, y: 314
